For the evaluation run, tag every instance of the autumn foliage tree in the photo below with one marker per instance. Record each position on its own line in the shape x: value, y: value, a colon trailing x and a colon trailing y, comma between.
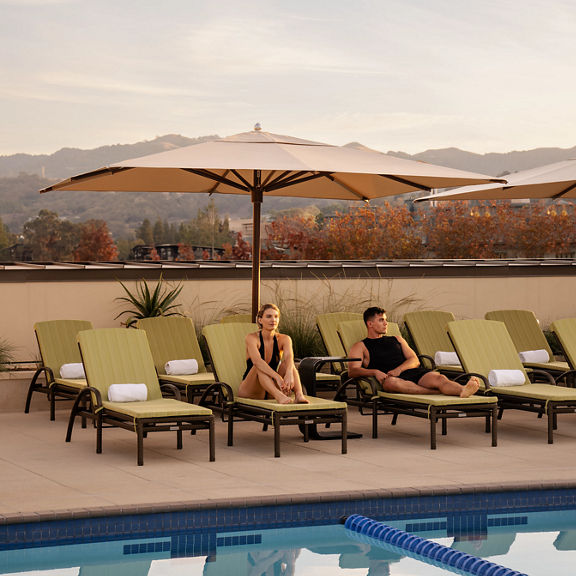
x: 95, y: 243
x: 381, y: 232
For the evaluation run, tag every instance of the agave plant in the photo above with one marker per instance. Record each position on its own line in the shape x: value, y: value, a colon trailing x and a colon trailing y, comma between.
x: 147, y: 303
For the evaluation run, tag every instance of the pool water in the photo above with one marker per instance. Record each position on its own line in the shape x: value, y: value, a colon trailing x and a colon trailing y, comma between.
x: 532, y: 533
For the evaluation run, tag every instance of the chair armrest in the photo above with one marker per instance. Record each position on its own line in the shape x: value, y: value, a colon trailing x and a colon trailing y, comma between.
x: 309, y: 366
x: 535, y: 372
x: 171, y: 389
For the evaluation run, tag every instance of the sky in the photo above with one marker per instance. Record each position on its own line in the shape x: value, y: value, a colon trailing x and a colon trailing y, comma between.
x: 401, y: 75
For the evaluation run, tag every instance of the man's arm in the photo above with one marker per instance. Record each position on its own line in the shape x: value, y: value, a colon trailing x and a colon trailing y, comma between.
x: 356, y: 368
x: 411, y: 358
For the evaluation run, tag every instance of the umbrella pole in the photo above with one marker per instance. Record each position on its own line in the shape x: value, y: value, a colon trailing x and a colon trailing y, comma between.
x: 256, y: 216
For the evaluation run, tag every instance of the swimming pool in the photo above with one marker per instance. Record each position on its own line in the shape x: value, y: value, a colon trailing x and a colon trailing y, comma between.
x: 531, y: 532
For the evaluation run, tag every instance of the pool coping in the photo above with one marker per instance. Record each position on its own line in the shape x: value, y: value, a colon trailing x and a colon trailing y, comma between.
x: 279, y: 500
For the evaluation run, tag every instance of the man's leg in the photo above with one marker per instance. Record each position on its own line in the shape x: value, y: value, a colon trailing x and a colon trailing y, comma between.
x: 395, y: 384
x: 440, y: 383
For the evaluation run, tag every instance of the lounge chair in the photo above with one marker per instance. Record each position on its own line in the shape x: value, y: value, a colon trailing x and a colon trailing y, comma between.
x: 427, y: 329
x: 485, y: 345
x: 433, y: 407
x: 526, y: 334
x: 57, y: 344
x: 121, y: 356
x: 236, y: 318
x: 565, y: 330
x: 327, y: 325
x: 174, y: 338
x: 226, y: 344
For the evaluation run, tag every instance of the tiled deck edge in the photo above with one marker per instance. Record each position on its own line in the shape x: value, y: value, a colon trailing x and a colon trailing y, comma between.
x: 281, y: 500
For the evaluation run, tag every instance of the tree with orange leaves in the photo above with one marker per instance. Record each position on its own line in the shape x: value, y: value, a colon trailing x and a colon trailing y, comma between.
x: 293, y: 238
x: 95, y: 243
x: 373, y: 232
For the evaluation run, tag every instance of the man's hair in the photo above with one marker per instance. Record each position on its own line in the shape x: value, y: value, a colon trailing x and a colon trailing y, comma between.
x: 371, y: 312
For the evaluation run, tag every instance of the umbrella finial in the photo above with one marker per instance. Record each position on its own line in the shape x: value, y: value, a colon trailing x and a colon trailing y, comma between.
x: 257, y: 127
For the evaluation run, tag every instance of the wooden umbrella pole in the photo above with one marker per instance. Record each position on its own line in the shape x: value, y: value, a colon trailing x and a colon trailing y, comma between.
x: 256, y: 217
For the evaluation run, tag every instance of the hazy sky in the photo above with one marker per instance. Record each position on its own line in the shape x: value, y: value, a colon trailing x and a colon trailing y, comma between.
x: 481, y: 75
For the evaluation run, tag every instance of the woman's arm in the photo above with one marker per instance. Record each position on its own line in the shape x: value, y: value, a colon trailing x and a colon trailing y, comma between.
x: 252, y: 341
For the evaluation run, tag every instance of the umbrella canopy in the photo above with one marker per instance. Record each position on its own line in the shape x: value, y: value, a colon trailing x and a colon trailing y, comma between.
x: 556, y: 180
x: 259, y: 163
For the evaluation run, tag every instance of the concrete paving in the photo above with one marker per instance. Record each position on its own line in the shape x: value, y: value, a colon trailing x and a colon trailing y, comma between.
x: 43, y: 477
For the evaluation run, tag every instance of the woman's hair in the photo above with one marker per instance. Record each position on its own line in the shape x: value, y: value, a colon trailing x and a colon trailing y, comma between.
x: 263, y: 309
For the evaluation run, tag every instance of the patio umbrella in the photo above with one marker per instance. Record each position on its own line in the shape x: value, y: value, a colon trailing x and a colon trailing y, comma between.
x: 262, y: 164
x: 553, y: 181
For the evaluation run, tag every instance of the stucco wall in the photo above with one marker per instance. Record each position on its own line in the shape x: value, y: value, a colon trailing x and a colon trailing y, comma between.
x: 23, y: 304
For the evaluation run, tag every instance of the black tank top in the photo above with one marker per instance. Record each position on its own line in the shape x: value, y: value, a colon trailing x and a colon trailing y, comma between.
x: 274, y: 361
x: 385, y: 353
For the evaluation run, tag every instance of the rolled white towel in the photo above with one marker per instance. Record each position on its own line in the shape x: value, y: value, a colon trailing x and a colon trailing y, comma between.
x: 446, y: 359
x: 73, y: 371
x: 181, y: 367
x: 506, y: 378
x: 537, y: 356
x: 127, y: 392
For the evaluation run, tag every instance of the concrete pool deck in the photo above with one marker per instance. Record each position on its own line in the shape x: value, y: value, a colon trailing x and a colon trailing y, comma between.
x: 42, y: 477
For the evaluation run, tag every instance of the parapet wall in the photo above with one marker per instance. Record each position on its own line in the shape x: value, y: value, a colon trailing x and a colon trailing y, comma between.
x: 469, y: 289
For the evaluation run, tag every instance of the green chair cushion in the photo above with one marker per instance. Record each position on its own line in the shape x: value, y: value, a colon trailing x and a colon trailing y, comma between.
x: 315, y: 404
x: 537, y: 391
x: 439, y: 399
x: 159, y: 408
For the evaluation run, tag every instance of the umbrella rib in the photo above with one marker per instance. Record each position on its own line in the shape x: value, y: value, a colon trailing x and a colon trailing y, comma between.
x: 86, y: 176
x: 216, y: 177
x: 242, y: 179
x: 407, y: 182
x: 348, y: 188
x: 560, y: 194
x: 296, y: 179
x: 285, y: 176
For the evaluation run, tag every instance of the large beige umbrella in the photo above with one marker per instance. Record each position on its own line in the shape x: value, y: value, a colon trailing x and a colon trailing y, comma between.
x: 556, y: 180
x: 259, y: 163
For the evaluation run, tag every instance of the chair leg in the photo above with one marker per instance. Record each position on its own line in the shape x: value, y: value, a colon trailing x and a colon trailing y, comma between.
x: 433, y: 420
x: 345, y: 432
x: 276, y: 424
x: 231, y: 428
x: 374, y: 420
x: 211, y: 440
x: 52, y: 398
x: 179, y: 439
x: 551, y: 418
x: 99, y: 433
x: 31, y: 389
x: 140, y: 440
x: 494, y: 426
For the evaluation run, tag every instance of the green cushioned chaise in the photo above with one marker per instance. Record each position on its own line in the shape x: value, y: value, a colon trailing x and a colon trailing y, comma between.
x: 432, y: 407
x: 57, y: 344
x: 526, y: 334
x: 485, y: 345
x: 226, y: 343
x: 122, y: 356
x: 428, y: 330
x: 174, y: 338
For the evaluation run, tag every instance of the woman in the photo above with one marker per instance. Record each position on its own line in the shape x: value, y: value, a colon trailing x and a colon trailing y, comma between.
x: 270, y: 362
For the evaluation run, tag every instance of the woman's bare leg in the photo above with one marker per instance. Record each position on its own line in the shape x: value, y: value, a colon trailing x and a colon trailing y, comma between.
x: 299, y: 396
x: 256, y: 384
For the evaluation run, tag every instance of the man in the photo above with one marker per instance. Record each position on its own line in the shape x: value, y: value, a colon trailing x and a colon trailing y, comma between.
x: 395, y: 365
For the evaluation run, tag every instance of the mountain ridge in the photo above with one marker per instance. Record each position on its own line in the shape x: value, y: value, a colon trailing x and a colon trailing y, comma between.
x: 23, y: 175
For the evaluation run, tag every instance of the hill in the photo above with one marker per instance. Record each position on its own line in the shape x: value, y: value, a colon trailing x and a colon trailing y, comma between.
x: 22, y: 175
